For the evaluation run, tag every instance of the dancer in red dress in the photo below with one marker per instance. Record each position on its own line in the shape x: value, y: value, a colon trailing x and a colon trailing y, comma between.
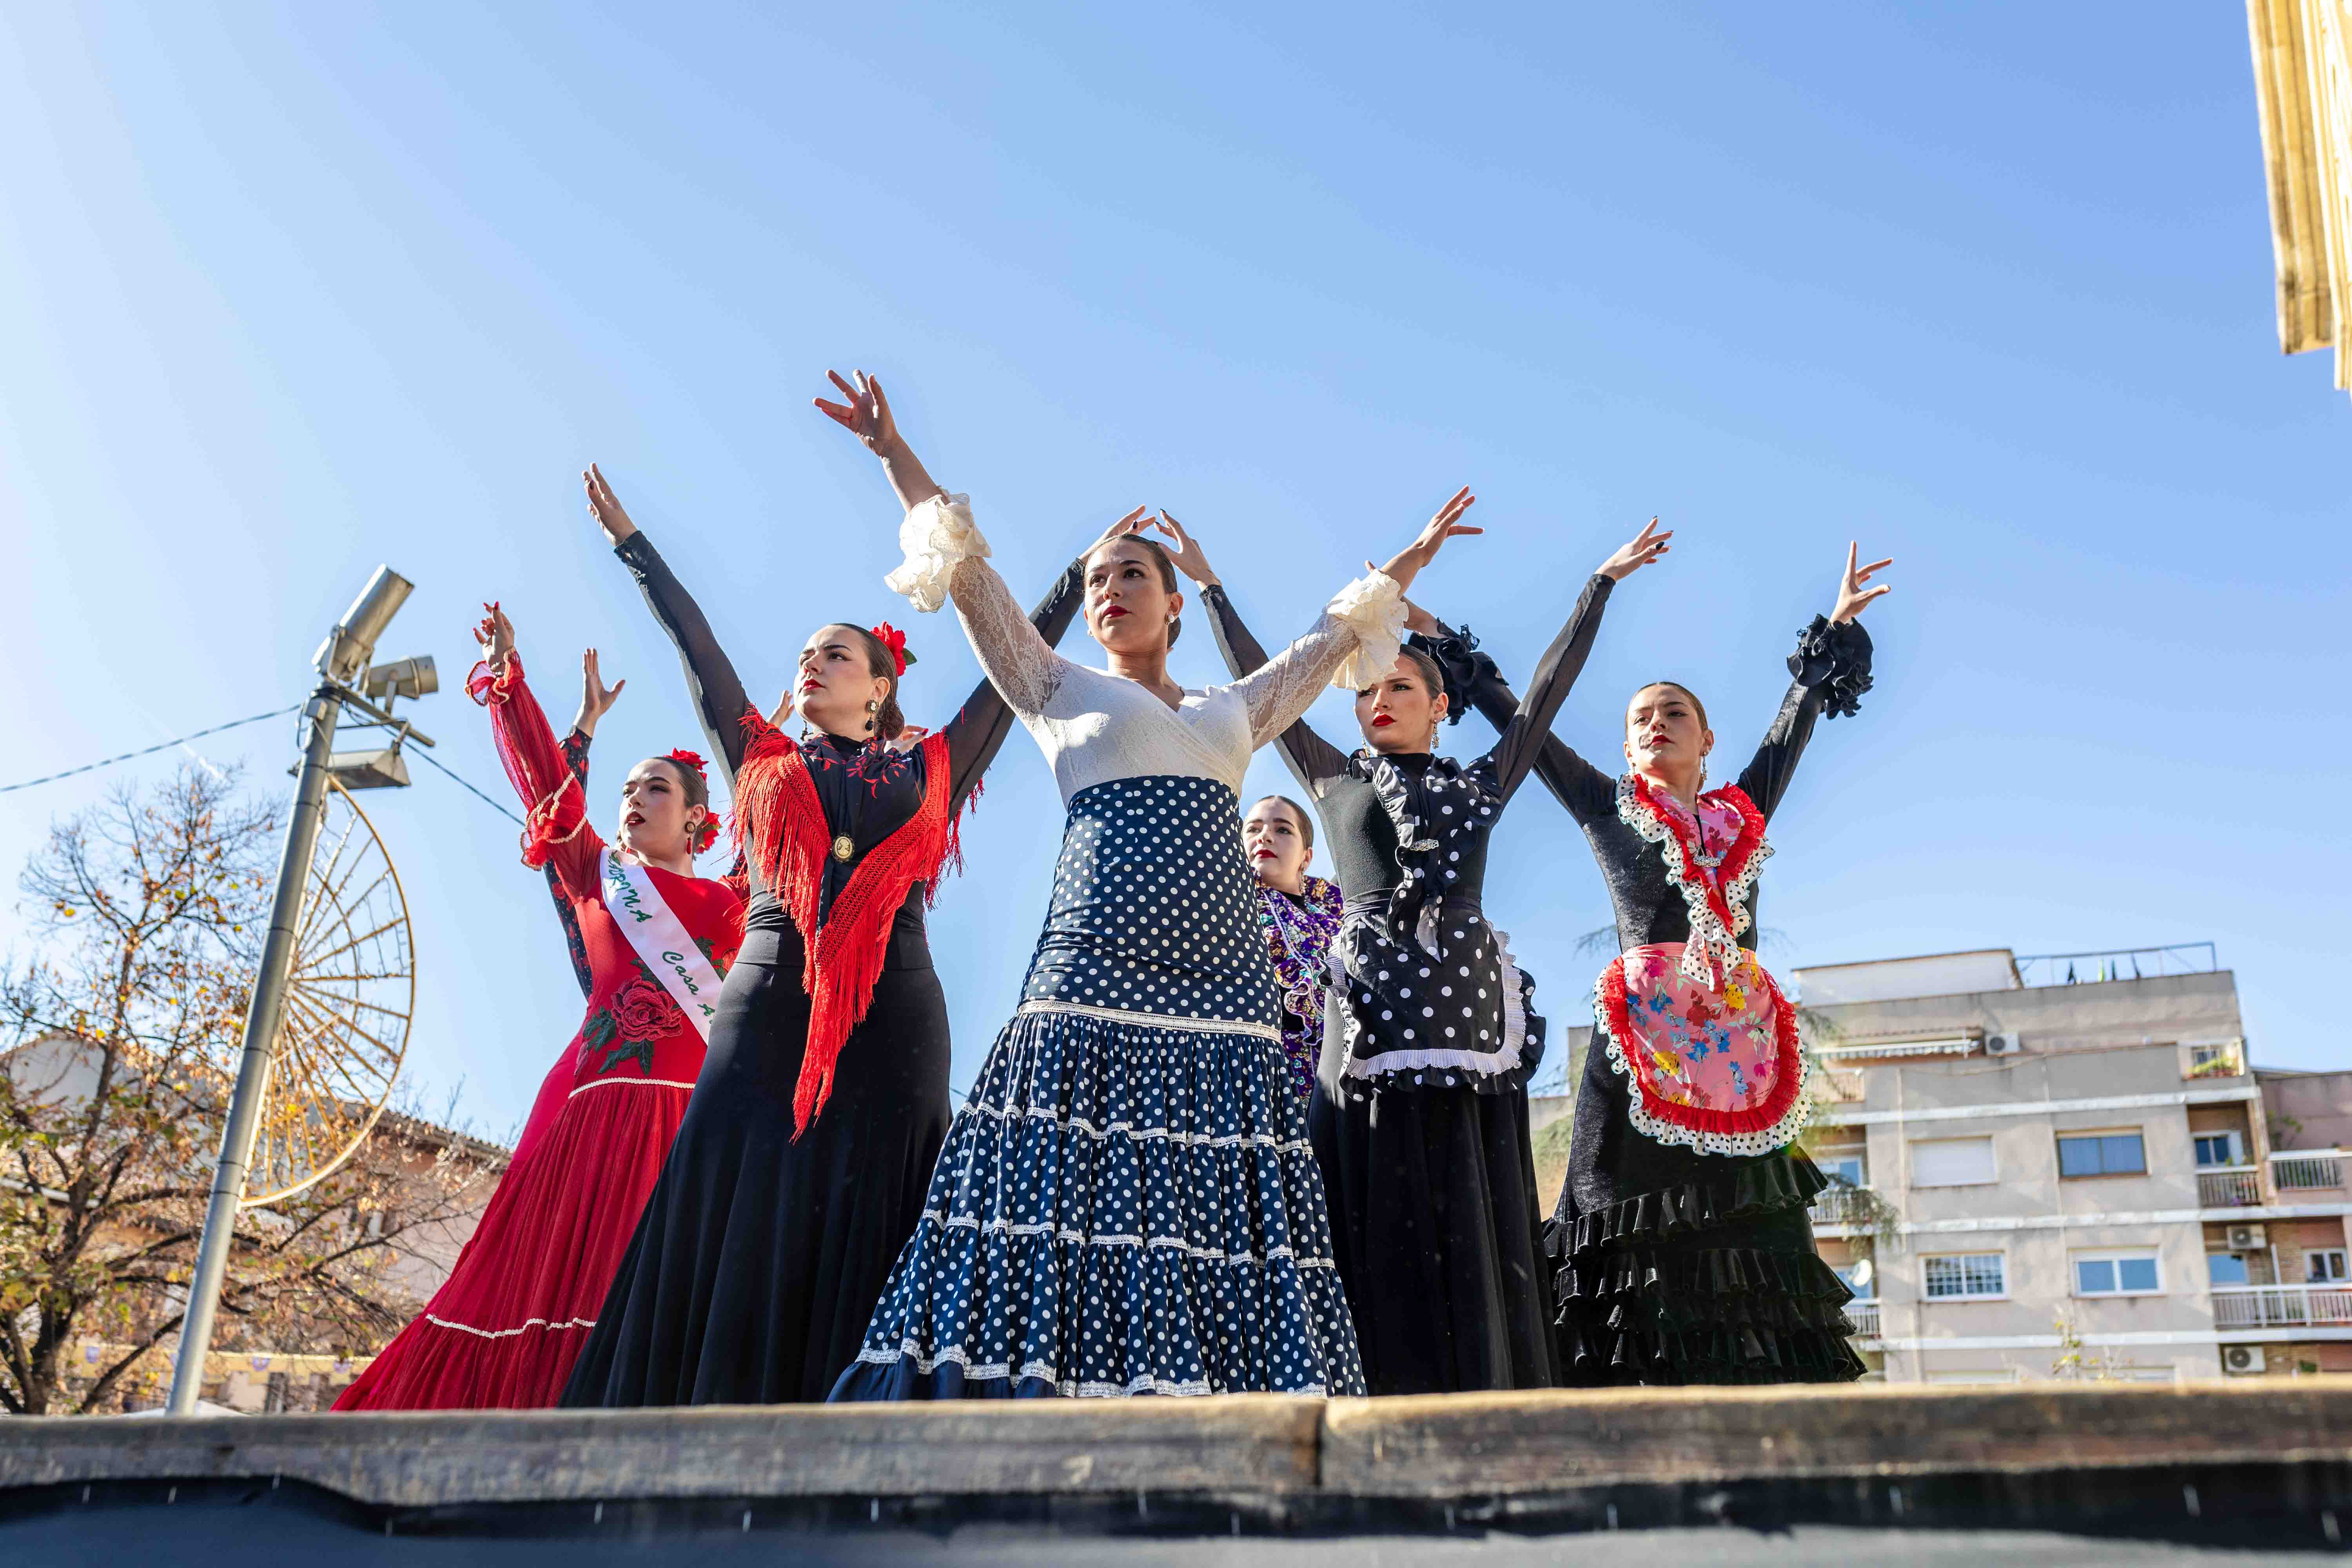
x: 504, y: 1331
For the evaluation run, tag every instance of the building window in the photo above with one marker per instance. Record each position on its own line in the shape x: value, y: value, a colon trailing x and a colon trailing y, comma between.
x: 1967, y: 1276
x: 1843, y: 1166
x: 2102, y: 1154
x: 2218, y: 1149
x: 2324, y: 1266
x: 1952, y: 1162
x: 2225, y: 1268
x: 1861, y: 1279
x: 2116, y: 1274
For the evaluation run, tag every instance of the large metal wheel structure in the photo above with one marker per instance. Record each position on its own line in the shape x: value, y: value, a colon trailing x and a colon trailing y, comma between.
x: 349, y: 1000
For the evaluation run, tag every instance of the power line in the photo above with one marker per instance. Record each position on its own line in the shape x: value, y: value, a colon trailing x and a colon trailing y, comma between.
x: 494, y: 806
x: 151, y: 750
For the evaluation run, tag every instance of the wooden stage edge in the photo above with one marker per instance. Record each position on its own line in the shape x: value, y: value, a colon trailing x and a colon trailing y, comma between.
x: 1425, y: 1450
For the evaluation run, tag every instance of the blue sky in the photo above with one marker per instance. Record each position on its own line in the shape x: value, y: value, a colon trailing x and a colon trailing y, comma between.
x: 288, y: 290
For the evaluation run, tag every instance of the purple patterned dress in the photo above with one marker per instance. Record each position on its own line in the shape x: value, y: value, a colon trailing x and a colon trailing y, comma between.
x: 1299, y: 932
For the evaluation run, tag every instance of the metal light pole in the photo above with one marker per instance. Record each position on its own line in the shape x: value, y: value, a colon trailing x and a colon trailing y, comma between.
x: 340, y: 659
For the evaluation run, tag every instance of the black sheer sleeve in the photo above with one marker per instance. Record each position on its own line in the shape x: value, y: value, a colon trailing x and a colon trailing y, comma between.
x: 1473, y: 681
x: 1832, y: 666
x: 1555, y: 672
x: 977, y: 732
x: 1313, y: 760
x: 710, y: 677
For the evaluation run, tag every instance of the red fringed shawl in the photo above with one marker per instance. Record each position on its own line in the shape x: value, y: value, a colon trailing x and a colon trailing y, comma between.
x: 781, y: 825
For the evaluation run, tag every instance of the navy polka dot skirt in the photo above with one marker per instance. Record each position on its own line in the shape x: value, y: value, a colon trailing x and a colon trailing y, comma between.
x: 1128, y: 1204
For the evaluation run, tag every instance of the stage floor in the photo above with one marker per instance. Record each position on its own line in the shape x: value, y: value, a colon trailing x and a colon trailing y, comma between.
x: 2079, y: 1473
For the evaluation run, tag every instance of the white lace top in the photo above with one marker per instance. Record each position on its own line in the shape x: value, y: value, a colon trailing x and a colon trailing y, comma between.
x: 1095, y: 726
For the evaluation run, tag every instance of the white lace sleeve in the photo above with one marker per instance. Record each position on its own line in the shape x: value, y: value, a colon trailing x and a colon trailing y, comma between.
x: 1020, y: 664
x: 947, y: 557
x: 1354, y: 638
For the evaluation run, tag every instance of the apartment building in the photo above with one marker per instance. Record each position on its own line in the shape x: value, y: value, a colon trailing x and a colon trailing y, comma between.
x: 2067, y: 1166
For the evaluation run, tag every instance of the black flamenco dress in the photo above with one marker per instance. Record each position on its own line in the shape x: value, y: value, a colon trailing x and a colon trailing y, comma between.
x: 798, y: 1173
x: 1682, y: 1242
x: 1419, y: 1115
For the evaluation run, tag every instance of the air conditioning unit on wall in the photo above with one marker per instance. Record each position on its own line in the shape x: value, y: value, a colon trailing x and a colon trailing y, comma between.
x: 2242, y: 1361
x: 2248, y: 1238
x: 2001, y: 1044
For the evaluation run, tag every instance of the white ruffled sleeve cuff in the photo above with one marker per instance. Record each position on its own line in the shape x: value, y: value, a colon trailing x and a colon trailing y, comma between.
x: 1372, y: 607
x: 938, y: 536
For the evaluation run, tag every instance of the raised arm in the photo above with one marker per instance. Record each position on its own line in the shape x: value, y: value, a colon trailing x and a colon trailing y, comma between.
x: 947, y: 557
x: 710, y: 678
x: 555, y: 816
x: 1555, y: 672
x: 1832, y: 671
x: 1473, y: 681
x: 1312, y: 761
x: 1354, y: 641
x: 977, y: 732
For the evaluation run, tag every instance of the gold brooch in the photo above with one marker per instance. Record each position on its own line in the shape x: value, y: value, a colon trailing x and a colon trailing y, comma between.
x: 844, y: 846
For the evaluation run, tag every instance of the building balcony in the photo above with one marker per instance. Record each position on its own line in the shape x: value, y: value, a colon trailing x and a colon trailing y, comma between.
x: 1863, y: 1316
x: 2307, y: 1170
x: 2277, y: 1306
x: 2230, y: 1187
x: 1842, y: 1204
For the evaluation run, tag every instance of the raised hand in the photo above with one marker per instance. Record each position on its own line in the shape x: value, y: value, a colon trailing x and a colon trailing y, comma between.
x: 605, y: 507
x: 1407, y: 563
x: 865, y: 415
x: 494, y: 635
x: 1186, y: 556
x: 596, y: 698
x: 1135, y: 521
x: 1852, y: 598
x: 1646, y: 547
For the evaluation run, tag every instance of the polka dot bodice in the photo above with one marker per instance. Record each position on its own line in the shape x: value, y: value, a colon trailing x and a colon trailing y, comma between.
x: 1154, y: 909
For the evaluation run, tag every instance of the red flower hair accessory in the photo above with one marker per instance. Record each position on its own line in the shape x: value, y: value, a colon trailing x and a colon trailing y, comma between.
x: 891, y: 638
x: 704, y: 836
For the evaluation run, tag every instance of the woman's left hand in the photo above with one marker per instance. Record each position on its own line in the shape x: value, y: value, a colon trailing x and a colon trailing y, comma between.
x: 1407, y: 563
x: 596, y: 698
x: 1852, y: 598
x: 865, y: 415
x: 1186, y: 556
x: 1646, y: 547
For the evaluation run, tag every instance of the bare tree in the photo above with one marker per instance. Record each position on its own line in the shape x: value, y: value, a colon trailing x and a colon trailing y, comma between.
x: 124, y: 1028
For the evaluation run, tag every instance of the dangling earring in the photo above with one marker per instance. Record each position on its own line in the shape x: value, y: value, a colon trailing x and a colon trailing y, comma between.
x: 872, y: 707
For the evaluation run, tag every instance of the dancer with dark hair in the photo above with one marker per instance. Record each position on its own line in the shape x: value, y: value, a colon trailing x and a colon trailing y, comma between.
x: 503, y: 1330
x: 1299, y: 915
x: 1683, y: 1248
x: 1419, y: 1115
x: 1126, y: 1204
x: 799, y: 1170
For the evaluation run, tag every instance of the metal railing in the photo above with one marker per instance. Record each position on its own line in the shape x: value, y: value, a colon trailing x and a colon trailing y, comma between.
x: 2277, y: 1306
x: 2117, y: 964
x: 1842, y: 1204
x: 2233, y: 1188
x: 1863, y: 1316
x: 2302, y: 1169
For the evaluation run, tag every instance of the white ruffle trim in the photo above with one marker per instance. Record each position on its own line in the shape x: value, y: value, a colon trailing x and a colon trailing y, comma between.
x: 1503, y: 1059
x: 1771, y: 1140
x: 937, y: 536
x: 1045, y: 1371
x: 1713, y: 953
x: 1372, y: 607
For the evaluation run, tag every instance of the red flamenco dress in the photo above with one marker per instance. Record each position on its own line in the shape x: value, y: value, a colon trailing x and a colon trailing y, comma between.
x: 504, y: 1331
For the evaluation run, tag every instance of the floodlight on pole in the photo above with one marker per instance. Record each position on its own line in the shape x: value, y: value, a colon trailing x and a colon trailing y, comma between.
x: 342, y: 660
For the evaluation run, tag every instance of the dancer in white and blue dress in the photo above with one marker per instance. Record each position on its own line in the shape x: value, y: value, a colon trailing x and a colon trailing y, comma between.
x: 1128, y: 1203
